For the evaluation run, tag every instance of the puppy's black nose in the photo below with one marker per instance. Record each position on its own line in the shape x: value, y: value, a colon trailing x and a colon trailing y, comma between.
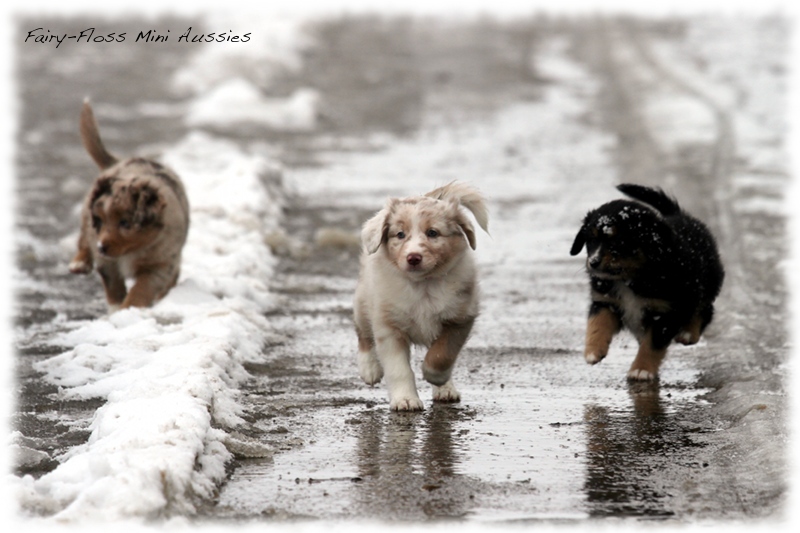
x: 595, y: 261
x: 102, y: 248
x: 414, y: 259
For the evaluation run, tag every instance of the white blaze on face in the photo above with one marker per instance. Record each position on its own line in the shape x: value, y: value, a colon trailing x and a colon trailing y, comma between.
x: 410, y: 249
x: 415, y: 243
x: 424, y: 237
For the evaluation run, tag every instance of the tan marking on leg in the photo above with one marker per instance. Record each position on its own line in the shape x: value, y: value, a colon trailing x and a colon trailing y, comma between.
x: 648, y: 360
x: 368, y: 366
x: 600, y: 329
x: 444, y: 351
x: 364, y: 344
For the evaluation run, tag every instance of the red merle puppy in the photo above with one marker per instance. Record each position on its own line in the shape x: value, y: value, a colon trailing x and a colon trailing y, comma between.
x: 654, y: 270
x: 134, y: 224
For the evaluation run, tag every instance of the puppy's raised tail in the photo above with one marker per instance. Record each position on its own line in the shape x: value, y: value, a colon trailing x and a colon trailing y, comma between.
x: 656, y: 198
x: 90, y: 135
x: 467, y: 196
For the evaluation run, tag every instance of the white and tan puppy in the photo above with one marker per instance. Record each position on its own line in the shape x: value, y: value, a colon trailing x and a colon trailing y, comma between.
x: 418, y: 285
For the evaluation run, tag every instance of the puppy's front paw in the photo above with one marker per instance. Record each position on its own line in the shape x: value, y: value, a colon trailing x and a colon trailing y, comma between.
x: 369, y: 368
x: 406, y: 404
x: 79, y: 267
x: 640, y: 374
x: 446, y: 393
x: 593, y: 357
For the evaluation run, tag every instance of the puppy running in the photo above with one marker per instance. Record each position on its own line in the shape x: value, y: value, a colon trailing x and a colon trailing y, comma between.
x: 417, y: 285
x: 653, y: 269
x: 133, y: 224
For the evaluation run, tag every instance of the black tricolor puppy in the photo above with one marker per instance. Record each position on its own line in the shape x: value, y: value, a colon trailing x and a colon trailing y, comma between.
x: 653, y: 269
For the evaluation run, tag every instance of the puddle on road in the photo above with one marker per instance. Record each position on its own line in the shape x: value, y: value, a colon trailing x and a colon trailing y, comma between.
x: 511, y: 451
x: 539, y: 435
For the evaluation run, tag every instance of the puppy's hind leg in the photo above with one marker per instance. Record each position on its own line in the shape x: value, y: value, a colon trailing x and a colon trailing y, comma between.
x: 603, y: 324
x: 441, y: 357
x: 394, y: 355
x: 369, y: 368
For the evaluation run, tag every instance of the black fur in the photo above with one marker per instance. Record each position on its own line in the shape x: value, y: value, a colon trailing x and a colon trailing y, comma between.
x: 102, y: 187
x: 145, y: 200
x: 667, y: 258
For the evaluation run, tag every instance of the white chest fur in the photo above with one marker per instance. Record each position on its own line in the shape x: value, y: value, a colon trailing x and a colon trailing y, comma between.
x: 419, y: 307
x: 632, y: 307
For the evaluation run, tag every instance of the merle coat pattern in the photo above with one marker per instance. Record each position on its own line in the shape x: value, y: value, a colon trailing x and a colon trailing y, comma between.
x: 134, y: 223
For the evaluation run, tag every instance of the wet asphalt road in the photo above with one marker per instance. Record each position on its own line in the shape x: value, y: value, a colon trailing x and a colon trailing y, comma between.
x: 530, y: 441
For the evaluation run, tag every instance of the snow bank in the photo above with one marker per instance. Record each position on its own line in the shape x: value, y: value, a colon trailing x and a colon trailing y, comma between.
x: 239, y: 101
x: 274, y: 48
x: 738, y: 80
x: 231, y: 81
x: 171, y: 374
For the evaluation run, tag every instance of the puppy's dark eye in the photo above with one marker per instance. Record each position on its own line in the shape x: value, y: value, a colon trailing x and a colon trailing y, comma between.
x: 401, y: 235
x: 432, y: 233
x: 125, y: 223
x: 96, y: 222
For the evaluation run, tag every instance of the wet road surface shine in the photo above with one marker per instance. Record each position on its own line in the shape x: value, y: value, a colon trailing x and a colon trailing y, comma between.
x: 505, y: 452
x: 539, y: 434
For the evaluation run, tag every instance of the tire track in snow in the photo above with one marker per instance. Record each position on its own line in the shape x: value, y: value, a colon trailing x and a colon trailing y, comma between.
x: 739, y: 362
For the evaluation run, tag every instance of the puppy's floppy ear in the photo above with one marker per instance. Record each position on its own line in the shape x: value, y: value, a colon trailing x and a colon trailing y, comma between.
x: 374, y: 231
x: 148, y: 206
x: 580, y: 240
x: 467, y: 196
x: 468, y: 229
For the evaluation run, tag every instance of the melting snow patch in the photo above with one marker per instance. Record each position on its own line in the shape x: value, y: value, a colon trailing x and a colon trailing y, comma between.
x: 272, y: 50
x: 761, y: 205
x: 238, y: 101
x: 677, y: 119
x: 170, y: 374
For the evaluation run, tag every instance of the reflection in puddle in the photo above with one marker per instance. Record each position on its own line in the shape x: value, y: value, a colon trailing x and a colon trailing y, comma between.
x: 510, y: 453
x: 628, y: 453
x: 408, y: 464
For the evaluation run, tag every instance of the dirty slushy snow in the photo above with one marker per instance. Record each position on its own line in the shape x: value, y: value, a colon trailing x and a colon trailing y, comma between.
x: 170, y: 375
